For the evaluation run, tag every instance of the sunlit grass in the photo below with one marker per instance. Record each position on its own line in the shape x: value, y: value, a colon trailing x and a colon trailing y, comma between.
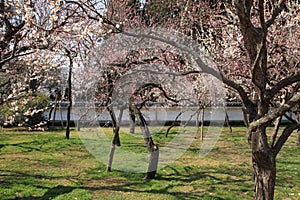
x: 44, y: 165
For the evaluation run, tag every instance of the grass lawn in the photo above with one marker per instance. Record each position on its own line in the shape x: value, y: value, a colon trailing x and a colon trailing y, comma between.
x: 44, y: 165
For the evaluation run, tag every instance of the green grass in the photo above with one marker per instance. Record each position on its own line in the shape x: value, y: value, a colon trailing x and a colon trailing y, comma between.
x: 44, y: 165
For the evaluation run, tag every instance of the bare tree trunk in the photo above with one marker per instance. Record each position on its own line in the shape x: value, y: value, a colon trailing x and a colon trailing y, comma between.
x: 110, y: 157
x: 152, y: 148
x: 264, y: 165
x: 78, y: 125
x: 120, y: 117
x: 202, y: 124
x: 197, y: 119
x: 197, y: 123
x: 54, y: 115
x: 58, y: 97
x: 264, y: 176
x: 50, y: 116
x: 68, y: 120
x: 69, y: 95
x: 131, y: 121
x: 115, y: 142
x: 61, y: 117
x: 263, y: 156
x: 116, y: 139
x: 298, y: 138
x: 298, y: 120
x: 227, y: 122
x: 153, y: 163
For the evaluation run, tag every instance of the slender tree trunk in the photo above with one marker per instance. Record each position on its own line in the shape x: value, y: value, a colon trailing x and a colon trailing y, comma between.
x: 50, y: 116
x: 197, y: 119
x: 227, y: 122
x: 152, y: 148
x: 131, y: 121
x: 61, y: 117
x: 202, y: 124
x: 111, y: 157
x: 298, y: 120
x: 116, y: 139
x: 69, y: 95
x: 298, y: 138
x: 54, y: 114
x: 115, y: 142
x: 68, y: 118
x: 78, y: 125
x: 120, y: 116
x: 197, y: 123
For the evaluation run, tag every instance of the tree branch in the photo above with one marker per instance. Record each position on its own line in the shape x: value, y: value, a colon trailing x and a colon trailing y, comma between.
x: 243, y: 11
x: 154, y: 85
x: 284, y: 136
x: 105, y: 20
x: 204, y: 68
x: 262, y: 18
x: 273, y: 114
x: 284, y: 83
x: 275, y: 13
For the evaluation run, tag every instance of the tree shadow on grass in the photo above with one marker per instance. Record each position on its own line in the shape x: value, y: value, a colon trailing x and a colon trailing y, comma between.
x: 51, y: 193
x: 131, y: 183
x: 178, y: 178
x: 170, y: 183
x: 11, y: 178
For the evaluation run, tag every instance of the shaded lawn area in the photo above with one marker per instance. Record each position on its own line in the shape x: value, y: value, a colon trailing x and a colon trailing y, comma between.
x: 44, y: 165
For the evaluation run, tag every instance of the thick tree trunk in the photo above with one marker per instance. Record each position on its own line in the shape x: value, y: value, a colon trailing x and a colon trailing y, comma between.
x: 264, y: 175
x: 264, y: 165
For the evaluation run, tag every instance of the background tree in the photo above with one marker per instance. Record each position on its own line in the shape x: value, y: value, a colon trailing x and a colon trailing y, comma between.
x: 40, y: 29
x: 116, y: 84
